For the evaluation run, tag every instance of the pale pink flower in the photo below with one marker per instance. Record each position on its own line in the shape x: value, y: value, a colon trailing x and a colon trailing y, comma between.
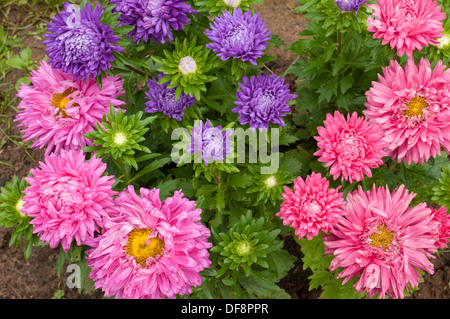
x: 441, y: 219
x: 407, y: 25
x: 55, y: 111
x: 411, y: 107
x: 350, y: 147
x: 68, y: 198
x: 383, y: 240
x: 311, y: 207
x: 150, y: 249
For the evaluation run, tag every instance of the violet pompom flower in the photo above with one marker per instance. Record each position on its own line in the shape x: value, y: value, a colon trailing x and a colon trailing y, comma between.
x: 68, y: 198
x: 150, y: 249
x: 262, y: 101
x: 80, y: 44
x: 350, y: 5
x: 212, y: 143
x: 239, y: 36
x: 153, y: 19
x: 162, y: 99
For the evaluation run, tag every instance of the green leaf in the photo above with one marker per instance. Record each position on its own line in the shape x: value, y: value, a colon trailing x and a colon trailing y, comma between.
x: 346, y: 83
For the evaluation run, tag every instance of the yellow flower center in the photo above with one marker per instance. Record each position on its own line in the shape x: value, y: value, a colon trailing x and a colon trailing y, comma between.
x: 415, y: 107
x: 381, y: 238
x: 60, y: 101
x: 141, y: 247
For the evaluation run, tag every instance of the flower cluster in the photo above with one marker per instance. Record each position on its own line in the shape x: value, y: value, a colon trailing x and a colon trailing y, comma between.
x: 95, y: 109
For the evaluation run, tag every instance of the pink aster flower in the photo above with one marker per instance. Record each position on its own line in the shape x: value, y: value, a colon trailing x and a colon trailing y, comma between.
x: 150, y: 249
x: 350, y: 147
x: 311, y: 207
x: 406, y: 24
x: 383, y: 240
x: 411, y: 106
x: 56, y: 111
x: 441, y: 219
x: 68, y: 198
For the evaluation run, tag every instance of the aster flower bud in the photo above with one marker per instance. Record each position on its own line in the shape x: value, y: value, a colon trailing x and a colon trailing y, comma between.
x: 444, y: 42
x: 119, y: 136
x: 187, y: 66
x: 11, y: 202
x: 232, y: 3
x: 248, y: 244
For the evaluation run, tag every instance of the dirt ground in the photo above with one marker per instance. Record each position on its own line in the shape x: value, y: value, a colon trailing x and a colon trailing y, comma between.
x: 36, y: 278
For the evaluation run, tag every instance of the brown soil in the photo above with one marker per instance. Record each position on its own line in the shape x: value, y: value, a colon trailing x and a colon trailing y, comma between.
x: 36, y: 278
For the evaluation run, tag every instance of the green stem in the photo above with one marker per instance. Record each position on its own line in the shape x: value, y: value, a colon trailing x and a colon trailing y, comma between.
x: 121, y: 165
x: 213, y: 172
x: 339, y: 41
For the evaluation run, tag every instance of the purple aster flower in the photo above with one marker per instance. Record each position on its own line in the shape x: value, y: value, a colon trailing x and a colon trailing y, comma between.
x: 162, y: 99
x: 211, y: 142
x: 153, y: 19
x: 80, y: 44
x: 349, y: 5
x: 262, y: 100
x: 239, y: 35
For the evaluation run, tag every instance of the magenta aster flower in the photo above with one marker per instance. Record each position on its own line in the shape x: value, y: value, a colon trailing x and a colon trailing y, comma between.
x: 79, y: 43
x: 68, y: 198
x: 382, y: 240
x: 262, y: 100
x: 150, y: 249
x: 56, y: 111
x: 441, y: 220
x: 311, y: 207
x: 406, y: 24
x: 411, y: 106
x: 239, y: 36
x: 161, y: 99
x: 350, y: 147
x: 153, y: 19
